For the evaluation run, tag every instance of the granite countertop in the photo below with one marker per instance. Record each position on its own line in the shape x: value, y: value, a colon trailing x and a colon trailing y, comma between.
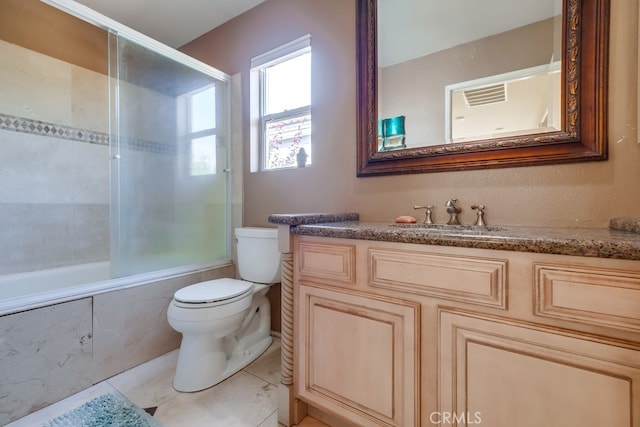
x: 620, y: 241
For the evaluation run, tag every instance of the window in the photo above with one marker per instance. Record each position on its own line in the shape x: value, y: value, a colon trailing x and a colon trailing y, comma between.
x: 201, y: 131
x: 281, y: 107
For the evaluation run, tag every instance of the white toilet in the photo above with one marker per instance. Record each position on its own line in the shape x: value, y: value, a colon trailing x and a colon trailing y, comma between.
x: 226, y: 323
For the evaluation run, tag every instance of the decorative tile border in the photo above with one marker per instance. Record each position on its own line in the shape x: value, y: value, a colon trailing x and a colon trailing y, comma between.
x: 37, y: 127
x: 150, y: 146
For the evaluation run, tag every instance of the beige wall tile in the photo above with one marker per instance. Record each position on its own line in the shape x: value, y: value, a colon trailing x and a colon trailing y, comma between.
x: 45, y: 355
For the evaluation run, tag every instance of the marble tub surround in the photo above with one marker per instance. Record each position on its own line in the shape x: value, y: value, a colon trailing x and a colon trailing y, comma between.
x: 36, y: 370
x: 51, y: 352
x: 603, y: 243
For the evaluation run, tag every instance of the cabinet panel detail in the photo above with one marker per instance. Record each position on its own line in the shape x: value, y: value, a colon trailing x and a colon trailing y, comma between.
x: 330, y: 262
x: 594, y: 296
x: 502, y: 373
x: 467, y: 279
x: 358, y: 356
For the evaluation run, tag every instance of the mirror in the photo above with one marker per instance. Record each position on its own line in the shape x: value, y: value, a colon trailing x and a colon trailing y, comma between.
x: 431, y: 124
x: 513, y: 103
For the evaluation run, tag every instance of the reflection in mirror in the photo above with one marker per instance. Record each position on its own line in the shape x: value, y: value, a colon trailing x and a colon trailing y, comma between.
x: 425, y: 46
x: 515, y: 103
x: 417, y: 57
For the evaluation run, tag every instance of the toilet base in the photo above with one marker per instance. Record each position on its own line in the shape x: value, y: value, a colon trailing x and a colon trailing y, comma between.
x: 186, y: 381
x: 239, y: 361
x: 206, y: 358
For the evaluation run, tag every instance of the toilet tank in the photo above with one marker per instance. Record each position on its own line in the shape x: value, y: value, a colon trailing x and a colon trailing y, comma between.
x: 258, y: 254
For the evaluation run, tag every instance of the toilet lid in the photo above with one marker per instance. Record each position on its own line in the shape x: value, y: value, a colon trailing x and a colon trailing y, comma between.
x: 212, y: 291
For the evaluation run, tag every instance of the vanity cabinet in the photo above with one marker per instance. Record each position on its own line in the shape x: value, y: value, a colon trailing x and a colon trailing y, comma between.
x: 401, y: 334
x: 497, y: 372
x: 357, y: 354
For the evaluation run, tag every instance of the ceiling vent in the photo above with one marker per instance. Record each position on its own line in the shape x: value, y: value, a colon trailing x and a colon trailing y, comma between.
x: 486, y: 95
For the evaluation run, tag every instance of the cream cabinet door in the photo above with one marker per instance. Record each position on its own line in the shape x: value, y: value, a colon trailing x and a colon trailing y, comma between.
x: 358, y: 356
x: 503, y: 374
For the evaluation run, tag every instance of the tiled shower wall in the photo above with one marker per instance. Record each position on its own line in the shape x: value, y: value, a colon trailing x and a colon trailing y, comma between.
x: 54, y: 162
x: 49, y: 353
x: 54, y: 201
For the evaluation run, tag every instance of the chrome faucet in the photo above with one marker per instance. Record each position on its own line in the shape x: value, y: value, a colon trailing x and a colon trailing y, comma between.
x: 453, y: 212
x: 427, y: 210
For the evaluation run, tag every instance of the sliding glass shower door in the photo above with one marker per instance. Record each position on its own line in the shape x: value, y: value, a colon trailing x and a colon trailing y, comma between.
x: 169, y: 162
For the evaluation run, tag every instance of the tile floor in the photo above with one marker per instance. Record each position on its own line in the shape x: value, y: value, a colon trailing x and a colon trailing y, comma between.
x: 246, y: 399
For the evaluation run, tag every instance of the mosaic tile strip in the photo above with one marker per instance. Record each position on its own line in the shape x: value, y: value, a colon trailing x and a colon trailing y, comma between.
x: 149, y: 146
x: 37, y: 127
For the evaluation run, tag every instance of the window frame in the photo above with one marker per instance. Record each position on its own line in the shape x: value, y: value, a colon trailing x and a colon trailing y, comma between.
x: 260, y: 119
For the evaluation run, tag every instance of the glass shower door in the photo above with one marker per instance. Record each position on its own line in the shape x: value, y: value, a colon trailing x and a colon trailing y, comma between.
x: 169, y: 162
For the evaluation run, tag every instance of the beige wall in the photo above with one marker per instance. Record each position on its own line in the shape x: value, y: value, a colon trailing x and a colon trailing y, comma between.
x: 575, y: 195
x: 37, y: 26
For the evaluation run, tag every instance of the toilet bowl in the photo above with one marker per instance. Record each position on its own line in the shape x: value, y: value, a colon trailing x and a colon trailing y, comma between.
x: 226, y: 323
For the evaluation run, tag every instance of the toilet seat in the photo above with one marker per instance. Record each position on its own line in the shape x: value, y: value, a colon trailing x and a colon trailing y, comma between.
x: 212, y: 293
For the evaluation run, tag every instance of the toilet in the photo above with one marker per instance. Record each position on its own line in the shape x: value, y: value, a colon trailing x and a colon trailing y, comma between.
x: 226, y: 323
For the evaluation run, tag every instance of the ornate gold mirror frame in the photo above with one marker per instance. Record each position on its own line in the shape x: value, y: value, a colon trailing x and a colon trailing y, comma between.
x: 584, y: 101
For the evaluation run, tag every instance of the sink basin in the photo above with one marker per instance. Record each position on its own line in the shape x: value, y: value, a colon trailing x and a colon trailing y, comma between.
x: 451, y: 229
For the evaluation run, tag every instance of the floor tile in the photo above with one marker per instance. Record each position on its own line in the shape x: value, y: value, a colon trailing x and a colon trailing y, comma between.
x: 267, y: 366
x: 149, y: 384
x: 241, y: 400
x: 271, y: 421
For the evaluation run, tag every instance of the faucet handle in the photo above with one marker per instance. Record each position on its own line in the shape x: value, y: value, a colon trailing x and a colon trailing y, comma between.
x: 428, y: 210
x: 480, y: 213
x: 451, y: 203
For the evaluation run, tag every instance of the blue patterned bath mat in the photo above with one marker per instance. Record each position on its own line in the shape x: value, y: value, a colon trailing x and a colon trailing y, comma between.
x: 108, y: 410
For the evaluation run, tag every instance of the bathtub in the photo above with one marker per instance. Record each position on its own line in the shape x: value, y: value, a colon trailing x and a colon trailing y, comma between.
x: 24, y: 291
x: 76, y: 327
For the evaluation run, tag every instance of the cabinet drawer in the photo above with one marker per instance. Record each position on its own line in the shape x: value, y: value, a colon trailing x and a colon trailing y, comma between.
x: 594, y: 296
x: 466, y: 279
x: 335, y: 263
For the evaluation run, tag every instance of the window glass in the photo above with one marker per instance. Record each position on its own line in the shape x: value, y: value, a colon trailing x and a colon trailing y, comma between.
x: 285, y: 139
x: 203, y: 155
x: 203, y: 109
x: 200, y: 131
x: 281, y: 107
x: 288, y: 84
